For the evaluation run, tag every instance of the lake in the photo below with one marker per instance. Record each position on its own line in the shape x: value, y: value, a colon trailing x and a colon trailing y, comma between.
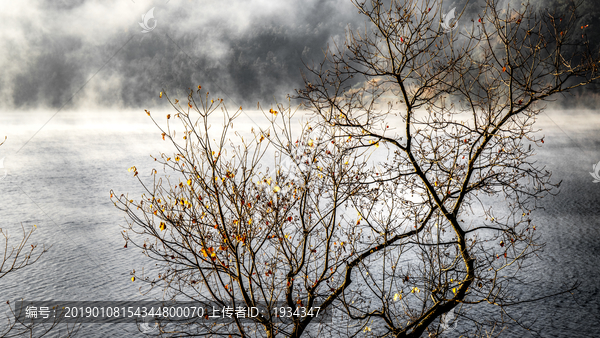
x: 60, y: 180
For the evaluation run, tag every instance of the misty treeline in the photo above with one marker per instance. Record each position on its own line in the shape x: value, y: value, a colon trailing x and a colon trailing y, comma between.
x: 255, y: 63
x: 400, y: 201
x: 586, y: 35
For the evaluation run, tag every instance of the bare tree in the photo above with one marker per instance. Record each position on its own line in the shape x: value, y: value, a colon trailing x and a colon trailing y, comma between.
x: 407, y: 198
x: 230, y: 231
x: 455, y: 111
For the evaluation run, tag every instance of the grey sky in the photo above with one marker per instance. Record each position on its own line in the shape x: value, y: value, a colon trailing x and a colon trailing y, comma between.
x: 252, y: 50
x: 93, y: 51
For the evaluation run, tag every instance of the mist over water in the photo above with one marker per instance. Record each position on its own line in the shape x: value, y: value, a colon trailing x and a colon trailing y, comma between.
x: 60, y: 181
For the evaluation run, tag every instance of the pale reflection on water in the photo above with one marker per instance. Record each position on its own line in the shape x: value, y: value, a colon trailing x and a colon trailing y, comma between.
x: 61, y: 179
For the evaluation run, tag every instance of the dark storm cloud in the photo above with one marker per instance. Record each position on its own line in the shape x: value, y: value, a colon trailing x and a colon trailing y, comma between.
x: 245, y: 50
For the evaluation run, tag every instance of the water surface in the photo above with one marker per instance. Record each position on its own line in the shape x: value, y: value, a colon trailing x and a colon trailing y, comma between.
x: 60, y: 181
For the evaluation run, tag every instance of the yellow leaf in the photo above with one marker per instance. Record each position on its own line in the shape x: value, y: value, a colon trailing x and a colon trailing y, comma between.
x: 276, y: 189
x: 133, y: 279
x: 189, y: 182
x: 160, y: 95
x: 454, y: 290
x: 163, y: 226
x: 397, y: 297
